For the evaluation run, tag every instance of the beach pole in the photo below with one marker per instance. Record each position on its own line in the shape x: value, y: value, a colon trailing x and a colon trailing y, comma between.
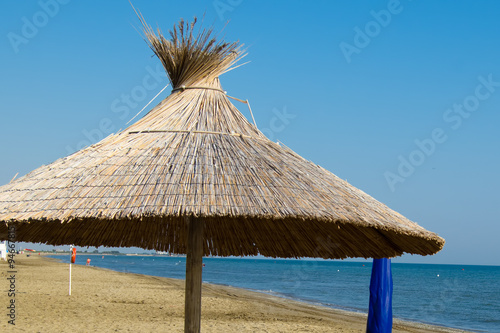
x: 70, y: 279
x: 71, y: 251
x: 380, y: 307
x: 194, y: 262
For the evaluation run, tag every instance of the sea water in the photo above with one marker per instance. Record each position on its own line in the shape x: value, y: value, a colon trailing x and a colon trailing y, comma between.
x: 466, y: 297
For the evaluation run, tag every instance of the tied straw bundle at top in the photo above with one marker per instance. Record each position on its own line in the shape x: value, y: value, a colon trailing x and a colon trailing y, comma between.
x: 190, y: 60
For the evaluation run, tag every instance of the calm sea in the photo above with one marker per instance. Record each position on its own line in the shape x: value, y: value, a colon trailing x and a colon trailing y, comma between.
x: 466, y: 297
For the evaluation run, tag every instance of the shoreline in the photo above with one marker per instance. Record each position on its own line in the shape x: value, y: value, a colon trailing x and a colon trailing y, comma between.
x: 348, y: 310
x: 104, y: 300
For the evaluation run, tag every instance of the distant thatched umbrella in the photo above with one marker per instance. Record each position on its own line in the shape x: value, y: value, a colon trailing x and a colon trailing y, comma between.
x: 194, y: 176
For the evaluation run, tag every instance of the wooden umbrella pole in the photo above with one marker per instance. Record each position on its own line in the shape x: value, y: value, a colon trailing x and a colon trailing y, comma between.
x: 194, y: 262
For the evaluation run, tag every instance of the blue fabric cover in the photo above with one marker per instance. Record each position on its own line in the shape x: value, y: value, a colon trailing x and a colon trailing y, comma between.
x: 380, y: 308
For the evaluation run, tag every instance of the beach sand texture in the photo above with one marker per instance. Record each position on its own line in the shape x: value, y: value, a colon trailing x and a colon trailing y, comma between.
x: 108, y: 301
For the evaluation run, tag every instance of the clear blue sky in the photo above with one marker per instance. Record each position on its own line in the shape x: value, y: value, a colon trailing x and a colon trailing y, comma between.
x: 402, y: 99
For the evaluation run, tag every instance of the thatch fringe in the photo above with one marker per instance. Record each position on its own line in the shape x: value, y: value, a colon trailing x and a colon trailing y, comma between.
x: 229, y: 236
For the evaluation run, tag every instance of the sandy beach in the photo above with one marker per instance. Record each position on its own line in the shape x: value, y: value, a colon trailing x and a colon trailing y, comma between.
x: 108, y: 301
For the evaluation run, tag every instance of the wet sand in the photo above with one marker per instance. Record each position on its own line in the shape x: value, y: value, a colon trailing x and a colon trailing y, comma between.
x: 108, y: 301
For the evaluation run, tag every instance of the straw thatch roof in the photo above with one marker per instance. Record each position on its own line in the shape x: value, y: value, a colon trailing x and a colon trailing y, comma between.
x: 196, y: 155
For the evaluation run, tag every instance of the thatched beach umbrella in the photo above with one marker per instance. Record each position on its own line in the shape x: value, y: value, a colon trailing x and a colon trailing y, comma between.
x: 194, y: 177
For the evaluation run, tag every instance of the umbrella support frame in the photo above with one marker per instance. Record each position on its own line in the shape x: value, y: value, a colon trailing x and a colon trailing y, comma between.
x: 194, y: 262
